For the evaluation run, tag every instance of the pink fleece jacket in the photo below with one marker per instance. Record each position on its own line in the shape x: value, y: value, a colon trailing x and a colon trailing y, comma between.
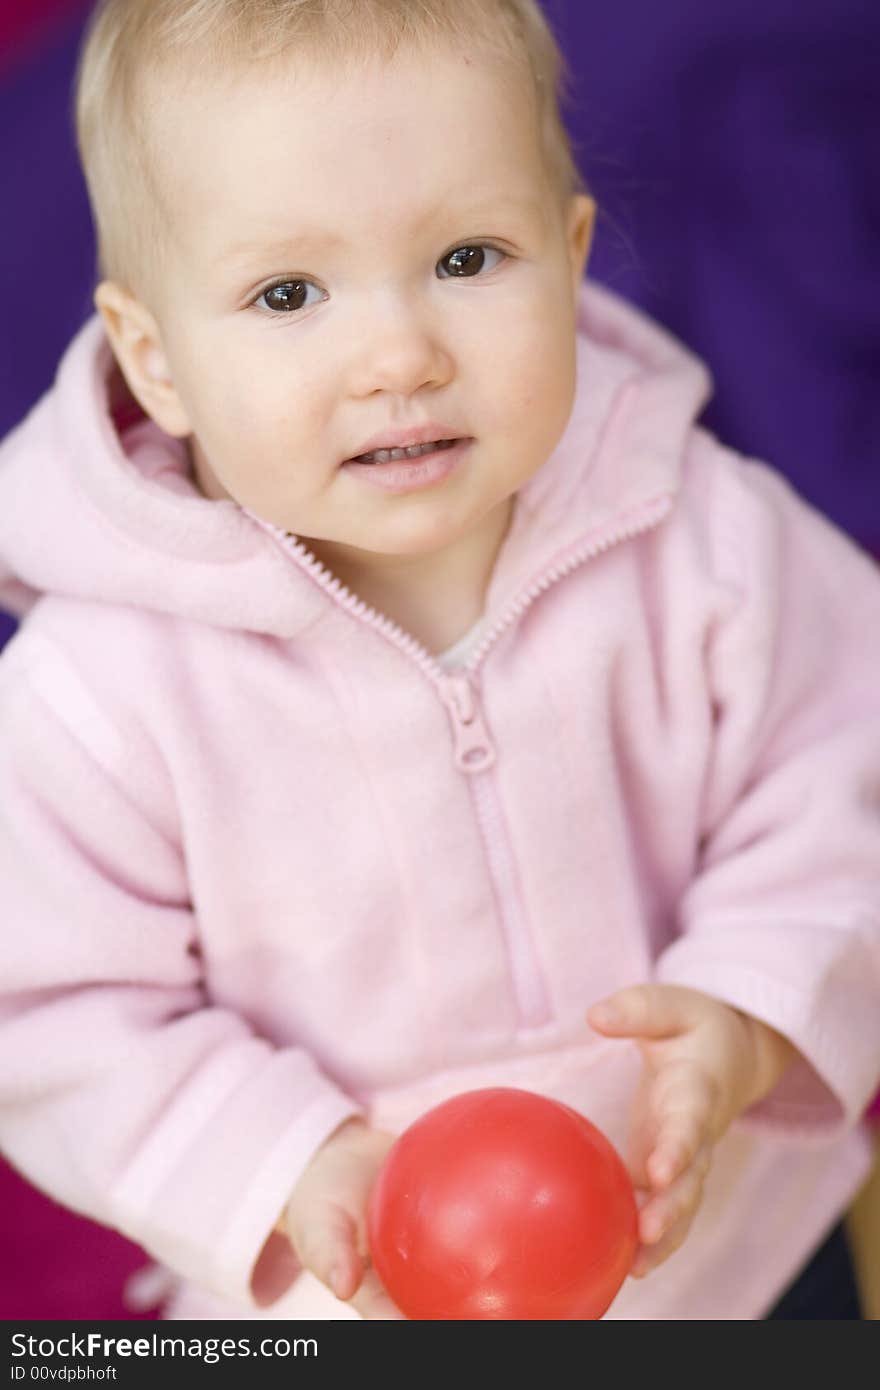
x: 265, y: 863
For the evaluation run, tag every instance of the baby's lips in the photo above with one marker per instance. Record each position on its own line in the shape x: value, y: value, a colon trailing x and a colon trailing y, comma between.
x: 404, y: 437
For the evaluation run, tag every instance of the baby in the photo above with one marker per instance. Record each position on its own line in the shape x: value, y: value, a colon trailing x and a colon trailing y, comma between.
x: 412, y: 696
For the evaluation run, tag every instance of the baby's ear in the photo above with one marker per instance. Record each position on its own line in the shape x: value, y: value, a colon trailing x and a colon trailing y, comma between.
x: 137, y: 345
x: 581, y: 225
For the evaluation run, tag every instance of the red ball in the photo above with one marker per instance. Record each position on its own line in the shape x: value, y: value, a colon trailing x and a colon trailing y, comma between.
x: 502, y: 1204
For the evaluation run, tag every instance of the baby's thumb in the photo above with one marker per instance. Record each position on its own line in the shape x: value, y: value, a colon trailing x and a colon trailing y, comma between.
x: 326, y: 1244
x: 644, y: 1011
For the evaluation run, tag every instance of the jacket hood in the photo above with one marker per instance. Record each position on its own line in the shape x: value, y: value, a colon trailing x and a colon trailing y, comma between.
x: 97, y: 503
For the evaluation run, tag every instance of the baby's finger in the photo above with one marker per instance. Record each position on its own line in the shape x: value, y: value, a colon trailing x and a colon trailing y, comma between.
x: 679, y: 1141
x: 373, y: 1302
x: 673, y: 1154
x: 649, y: 1257
x: 681, y: 1102
x: 678, y: 1203
x: 327, y: 1245
x: 668, y: 1124
x: 646, y: 1011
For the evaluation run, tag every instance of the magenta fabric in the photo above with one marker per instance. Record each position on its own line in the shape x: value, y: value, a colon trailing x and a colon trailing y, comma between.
x: 54, y: 1264
x: 26, y: 24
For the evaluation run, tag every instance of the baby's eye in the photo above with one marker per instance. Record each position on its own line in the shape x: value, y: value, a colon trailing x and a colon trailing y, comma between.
x: 467, y: 261
x: 286, y: 296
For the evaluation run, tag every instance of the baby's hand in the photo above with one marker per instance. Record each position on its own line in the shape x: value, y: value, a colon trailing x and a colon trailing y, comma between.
x: 325, y: 1219
x: 704, y: 1064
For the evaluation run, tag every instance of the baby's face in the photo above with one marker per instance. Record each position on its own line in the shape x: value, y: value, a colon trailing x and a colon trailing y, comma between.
x: 423, y: 272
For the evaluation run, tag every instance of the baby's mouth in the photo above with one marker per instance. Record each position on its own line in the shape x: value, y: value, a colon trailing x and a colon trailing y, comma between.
x: 416, y: 451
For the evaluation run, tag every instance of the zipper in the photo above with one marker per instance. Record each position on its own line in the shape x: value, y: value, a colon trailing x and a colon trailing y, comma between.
x: 641, y: 519
x: 474, y: 750
x: 474, y: 754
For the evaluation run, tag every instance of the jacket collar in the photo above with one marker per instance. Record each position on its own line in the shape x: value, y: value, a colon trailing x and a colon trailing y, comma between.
x: 638, y: 394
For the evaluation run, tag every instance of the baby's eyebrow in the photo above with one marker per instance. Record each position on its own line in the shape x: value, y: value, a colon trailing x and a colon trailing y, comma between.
x: 258, y: 246
x: 313, y: 238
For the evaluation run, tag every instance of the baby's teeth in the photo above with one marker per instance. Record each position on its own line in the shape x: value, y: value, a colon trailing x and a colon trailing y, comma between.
x: 392, y: 455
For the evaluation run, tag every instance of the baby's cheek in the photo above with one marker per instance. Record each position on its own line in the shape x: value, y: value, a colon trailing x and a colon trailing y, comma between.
x: 546, y: 394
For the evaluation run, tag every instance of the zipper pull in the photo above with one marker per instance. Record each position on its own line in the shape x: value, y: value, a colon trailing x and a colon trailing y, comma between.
x: 474, y: 749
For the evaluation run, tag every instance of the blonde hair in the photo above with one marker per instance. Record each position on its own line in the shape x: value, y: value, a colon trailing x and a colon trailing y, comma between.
x: 126, y: 40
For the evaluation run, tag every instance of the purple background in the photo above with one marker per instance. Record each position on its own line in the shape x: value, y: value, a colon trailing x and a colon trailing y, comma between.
x: 733, y: 148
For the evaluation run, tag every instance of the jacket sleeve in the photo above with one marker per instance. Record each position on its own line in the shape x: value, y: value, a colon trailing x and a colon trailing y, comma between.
x: 782, y: 917
x: 124, y: 1093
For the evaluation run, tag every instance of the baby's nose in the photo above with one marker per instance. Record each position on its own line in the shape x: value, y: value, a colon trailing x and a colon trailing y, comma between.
x: 400, y: 352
